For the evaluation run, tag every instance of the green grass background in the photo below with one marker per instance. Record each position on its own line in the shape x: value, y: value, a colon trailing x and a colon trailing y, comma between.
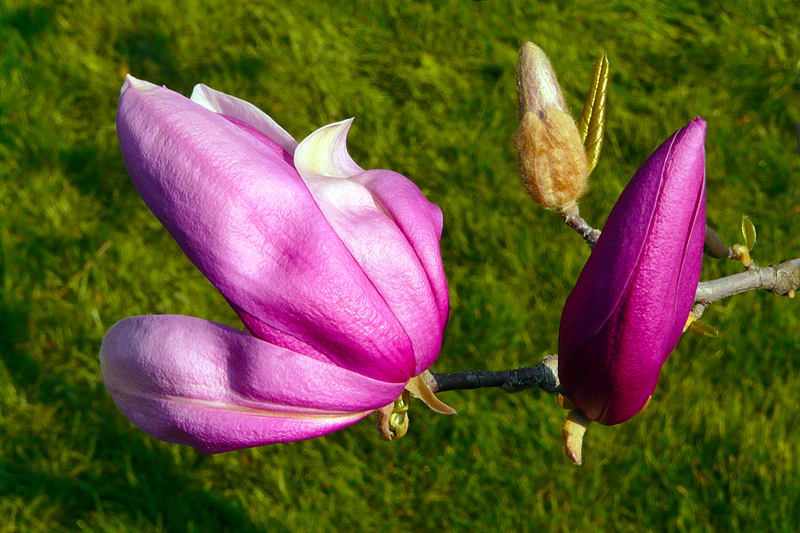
x: 432, y: 87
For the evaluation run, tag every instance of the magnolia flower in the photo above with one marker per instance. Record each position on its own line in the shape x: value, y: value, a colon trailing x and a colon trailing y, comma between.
x: 334, y: 270
x: 633, y: 297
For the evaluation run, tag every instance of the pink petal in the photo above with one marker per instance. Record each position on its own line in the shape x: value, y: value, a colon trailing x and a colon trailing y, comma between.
x: 247, y: 220
x: 246, y: 112
x: 421, y: 224
x: 195, y: 382
x: 387, y: 255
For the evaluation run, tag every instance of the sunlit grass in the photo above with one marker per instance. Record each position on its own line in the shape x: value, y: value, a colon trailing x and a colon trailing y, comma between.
x: 433, y: 91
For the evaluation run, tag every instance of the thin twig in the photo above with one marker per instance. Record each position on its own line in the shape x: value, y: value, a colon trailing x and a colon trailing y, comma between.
x: 778, y: 279
x: 572, y: 218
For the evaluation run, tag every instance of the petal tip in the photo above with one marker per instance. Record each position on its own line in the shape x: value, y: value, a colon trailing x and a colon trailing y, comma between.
x: 324, y: 152
x: 337, y: 130
x: 199, y: 96
x: 135, y: 83
x: 697, y: 125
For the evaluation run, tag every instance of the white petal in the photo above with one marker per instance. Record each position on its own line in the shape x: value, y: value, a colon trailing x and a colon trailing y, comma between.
x: 131, y: 82
x: 324, y: 153
x: 245, y: 111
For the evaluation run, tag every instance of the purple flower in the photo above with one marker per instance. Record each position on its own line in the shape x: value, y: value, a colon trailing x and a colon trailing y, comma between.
x: 631, y: 301
x: 335, y: 271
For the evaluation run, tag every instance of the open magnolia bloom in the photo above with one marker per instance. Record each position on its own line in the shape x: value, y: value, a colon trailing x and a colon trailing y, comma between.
x: 633, y: 296
x: 334, y: 270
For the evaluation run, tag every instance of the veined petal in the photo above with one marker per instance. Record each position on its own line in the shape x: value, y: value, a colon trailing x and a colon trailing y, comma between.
x: 191, y: 381
x: 421, y: 224
x: 630, y: 303
x: 386, y: 253
x: 245, y: 218
x: 239, y: 109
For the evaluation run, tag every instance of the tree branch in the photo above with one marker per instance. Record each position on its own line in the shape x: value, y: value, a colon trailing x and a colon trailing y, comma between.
x: 781, y: 279
x: 572, y: 218
x: 544, y: 375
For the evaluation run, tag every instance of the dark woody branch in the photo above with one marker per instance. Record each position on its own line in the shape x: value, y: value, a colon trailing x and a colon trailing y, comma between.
x: 544, y: 376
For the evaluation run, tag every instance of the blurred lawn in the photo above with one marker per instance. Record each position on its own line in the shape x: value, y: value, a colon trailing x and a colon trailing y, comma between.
x: 432, y: 86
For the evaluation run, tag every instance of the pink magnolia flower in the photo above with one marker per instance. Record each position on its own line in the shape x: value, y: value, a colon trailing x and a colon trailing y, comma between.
x: 335, y: 271
x: 633, y: 297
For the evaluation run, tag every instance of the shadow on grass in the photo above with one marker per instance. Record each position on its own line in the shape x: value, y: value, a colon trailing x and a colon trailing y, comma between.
x: 29, y: 21
x: 115, y: 472
x: 100, y: 173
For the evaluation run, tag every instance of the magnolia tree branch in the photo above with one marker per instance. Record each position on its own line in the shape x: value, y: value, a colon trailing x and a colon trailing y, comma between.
x: 544, y: 376
x: 781, y: 279
x: 572, y: 218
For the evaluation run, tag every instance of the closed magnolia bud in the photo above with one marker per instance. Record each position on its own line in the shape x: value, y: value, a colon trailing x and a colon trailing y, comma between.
x: 630, y: 303
x: 552, y: 160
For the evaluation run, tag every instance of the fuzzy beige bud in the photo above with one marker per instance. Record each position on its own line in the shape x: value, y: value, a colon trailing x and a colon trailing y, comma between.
x: 552, y: 159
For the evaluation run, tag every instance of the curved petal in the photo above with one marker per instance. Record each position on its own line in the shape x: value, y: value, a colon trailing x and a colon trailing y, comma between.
x: 387, y: 252
x: 324, y: 153
x: 247, y: 220
x: 263, y: 139
x: 419, y: 220
x: 630, y: 303
x: 225, y: 104
x: 191, y: 381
